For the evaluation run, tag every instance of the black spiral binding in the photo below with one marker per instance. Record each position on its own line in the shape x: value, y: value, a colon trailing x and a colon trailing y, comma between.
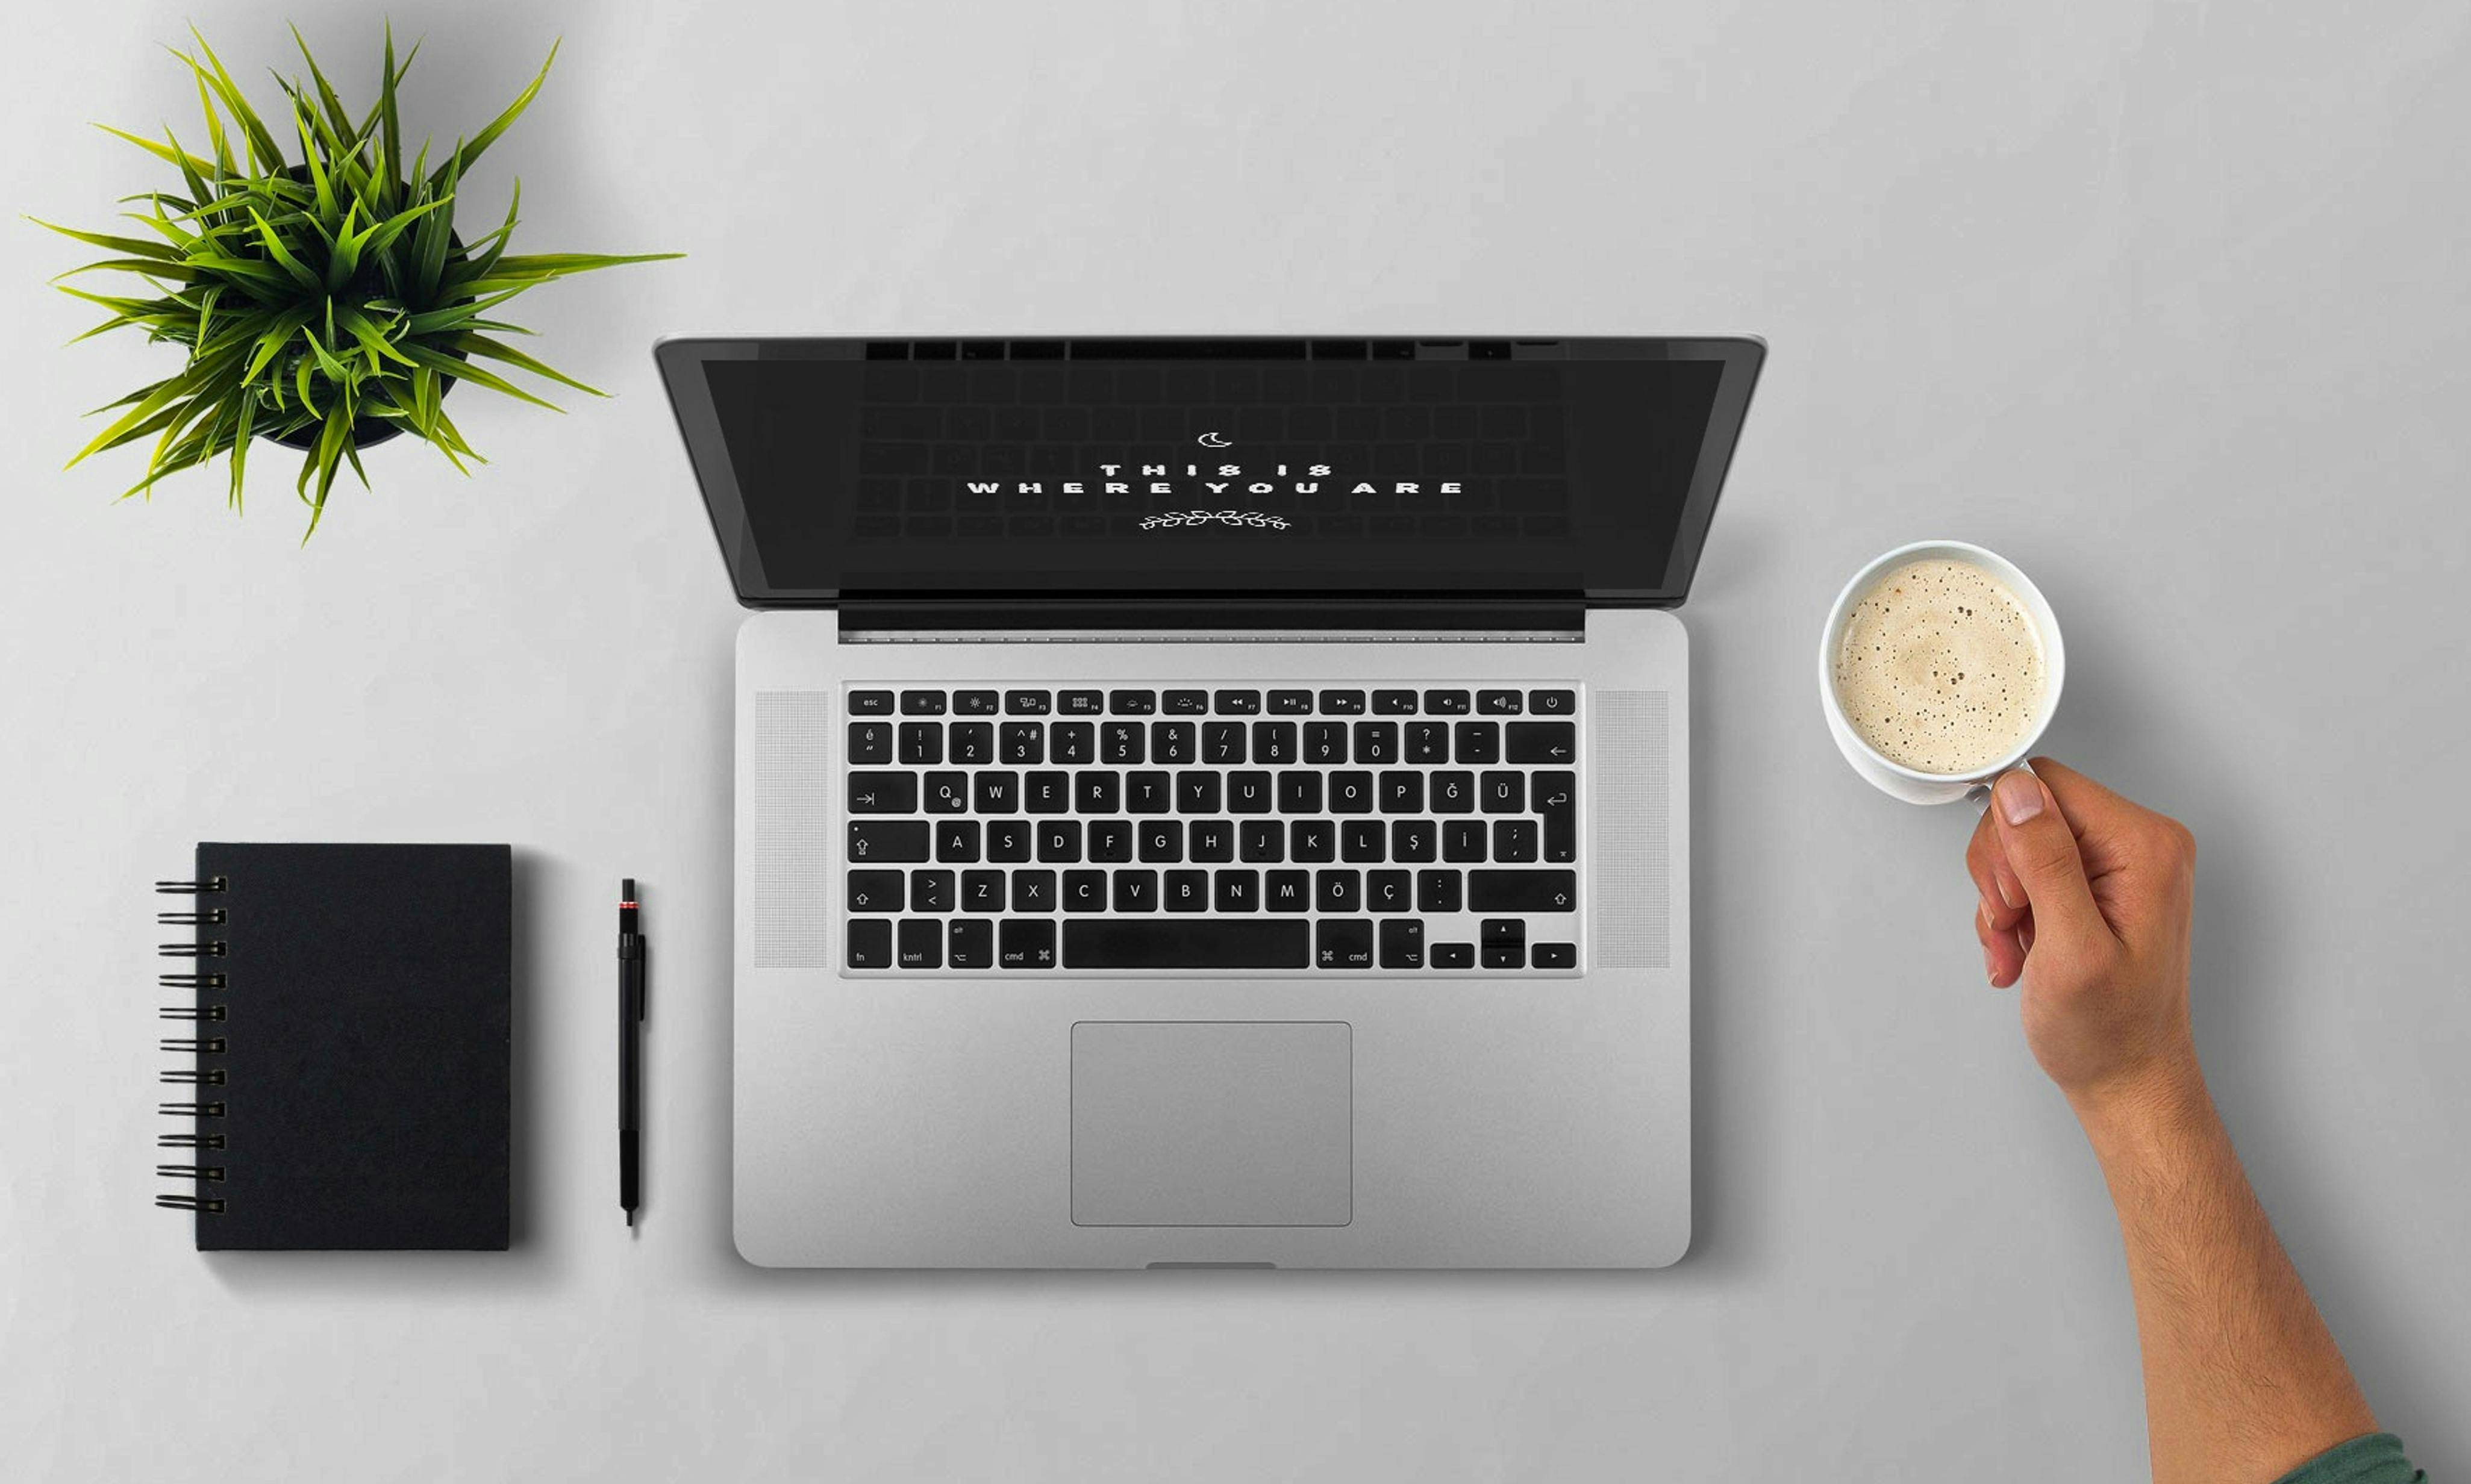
x: 200, y: 1175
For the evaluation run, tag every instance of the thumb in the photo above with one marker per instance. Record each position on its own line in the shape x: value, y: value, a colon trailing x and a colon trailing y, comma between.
x: 2042, y: 850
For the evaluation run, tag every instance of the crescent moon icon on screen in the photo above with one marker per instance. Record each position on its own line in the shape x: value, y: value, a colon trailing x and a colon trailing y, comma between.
x: 1213, y: 440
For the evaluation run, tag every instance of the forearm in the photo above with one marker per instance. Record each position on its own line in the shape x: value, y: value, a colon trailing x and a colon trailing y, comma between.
x: 2242, y: 1381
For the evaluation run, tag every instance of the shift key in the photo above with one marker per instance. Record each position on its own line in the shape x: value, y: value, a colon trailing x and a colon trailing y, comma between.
x: 1522, y: 892
x: 874, y: 840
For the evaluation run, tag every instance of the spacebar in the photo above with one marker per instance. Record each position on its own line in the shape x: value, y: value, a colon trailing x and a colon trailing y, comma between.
x: 1189, y: 942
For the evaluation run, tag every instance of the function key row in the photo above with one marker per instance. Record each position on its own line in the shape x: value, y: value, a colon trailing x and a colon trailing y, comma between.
x: 1202, y: 703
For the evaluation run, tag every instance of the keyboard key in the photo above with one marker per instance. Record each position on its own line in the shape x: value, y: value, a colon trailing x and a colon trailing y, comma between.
x: 1047, y: 793
x: 1197, y: 792
x: 1081, y: 703
x: 1023, y: 742
x: 1462, y: 840
x: 1132, y: 703
x: 930, y: 891
x: 1028, y: 703
x: 1477, y: 741
x: 996, y: 791
x: 973, y: 944
x: 883, y: 794
x: 1522, y: 892
x: 1292, y: 703
x: 1388, y: 891
x: 1557, y: 802
x: 876, y: 841
x: 1439, y: 891
x: 1237, y: 891
x: 922, y: 742
x: 1027, y: 943
x: 1162, y: 840
x: 1186, y: 703
x: 1073, y: 742
x: 1123, y: 741
x: 1342, y: 703
x: 1413, y: 839
x: 1552, y: 703
x: 1402, y: 793
x: 1497, y: 703
x: 1555, y: 956
x: 1350, y: 793
x: 1110, y: 842
x: 1207, y: 943
x: 1137, y: 891
x: 1339, y: 943
x: 1261, y: 841
x: 1097, y: 791
x: 870, y: 703
x: 1059, y: 840
x: 1376, y: 742
x: 1211, y: 842
x: 1274, y: 741
x: 1453, y: 956
x: 1361, y: 841
x: 1186, y: 891
x: 1338, y: 891
x: 922, y: 703
x: 975, y: 703
x: 1008, y: 840
x: 1313, y: 841
x: 1503, y: 794
x: 1447, y: 703
x: 1148, y: 793
x: 1426, y: 742
x: 1085, y: 891
x: 1238, y: 703
x: 981, y: 891
x: 1543, y: 741
x: 870, y: 742
x: 972, y: 742
x: 956, y: 841
x: 870, y: 943
x: 1249, y: 793
x: 1504, y: 941
x: 877, y: 891
x: 948, y: 793
x: 1403, y: 943
x: 1033, y: 891
x: 1514, y: 839
x: 1299, y: 794
x: 1394, y: 703
x: 1325, y: 742
x: 1172, y: 741
x: 1287, y: 892
x: 1453, y: 794
x: 1222, y: 743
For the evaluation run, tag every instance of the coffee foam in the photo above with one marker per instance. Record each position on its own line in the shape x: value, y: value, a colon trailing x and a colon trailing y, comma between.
x: 1940, y: 668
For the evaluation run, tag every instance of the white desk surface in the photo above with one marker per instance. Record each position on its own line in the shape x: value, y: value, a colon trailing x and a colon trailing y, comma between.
x: 2164, y: 301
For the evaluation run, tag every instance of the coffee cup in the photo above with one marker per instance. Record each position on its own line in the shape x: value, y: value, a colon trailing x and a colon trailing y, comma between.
x: 1918, y: 784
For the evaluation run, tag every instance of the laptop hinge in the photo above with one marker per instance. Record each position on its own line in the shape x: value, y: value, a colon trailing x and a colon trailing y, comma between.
x: 1046, y: 620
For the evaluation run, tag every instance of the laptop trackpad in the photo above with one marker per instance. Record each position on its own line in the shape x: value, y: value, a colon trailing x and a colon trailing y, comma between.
x: 1212, y: 1123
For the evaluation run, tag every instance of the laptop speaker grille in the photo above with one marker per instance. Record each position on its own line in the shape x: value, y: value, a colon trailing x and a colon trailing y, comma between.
x: 794, y: 829
x: 1633, y: 828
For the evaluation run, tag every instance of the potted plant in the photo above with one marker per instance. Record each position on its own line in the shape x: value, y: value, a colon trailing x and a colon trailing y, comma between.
x: 325, y: 302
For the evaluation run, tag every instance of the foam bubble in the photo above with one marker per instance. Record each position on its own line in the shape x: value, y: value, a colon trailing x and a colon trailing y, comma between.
x: 1940, y: 668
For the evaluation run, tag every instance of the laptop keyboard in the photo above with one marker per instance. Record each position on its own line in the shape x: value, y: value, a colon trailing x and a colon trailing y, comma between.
x: 1256, y: 829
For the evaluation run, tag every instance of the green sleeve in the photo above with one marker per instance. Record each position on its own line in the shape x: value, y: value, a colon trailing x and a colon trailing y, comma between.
x: 2375, y: 1459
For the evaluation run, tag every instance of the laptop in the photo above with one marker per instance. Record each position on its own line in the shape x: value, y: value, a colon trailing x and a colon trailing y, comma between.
x: 1212, y: 802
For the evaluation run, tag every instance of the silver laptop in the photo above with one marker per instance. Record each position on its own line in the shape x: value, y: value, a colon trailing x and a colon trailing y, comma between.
x: 1211, y: 803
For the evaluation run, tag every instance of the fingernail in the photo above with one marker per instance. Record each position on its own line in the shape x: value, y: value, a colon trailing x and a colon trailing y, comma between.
x: 1999, y: 885
x: 2020, y: 796
x: 1990, y: 969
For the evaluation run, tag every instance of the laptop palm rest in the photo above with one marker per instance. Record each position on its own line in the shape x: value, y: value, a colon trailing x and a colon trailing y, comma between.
x: 1212, y: 1123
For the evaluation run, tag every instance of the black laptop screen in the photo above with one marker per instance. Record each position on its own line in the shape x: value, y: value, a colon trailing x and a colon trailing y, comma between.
x: 1107, y: 468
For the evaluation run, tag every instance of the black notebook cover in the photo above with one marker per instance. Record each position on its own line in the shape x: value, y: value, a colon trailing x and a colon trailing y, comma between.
x: 365, y: 994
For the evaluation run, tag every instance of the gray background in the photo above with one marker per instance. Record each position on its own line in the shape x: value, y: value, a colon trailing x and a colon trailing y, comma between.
x: 2161, y: 300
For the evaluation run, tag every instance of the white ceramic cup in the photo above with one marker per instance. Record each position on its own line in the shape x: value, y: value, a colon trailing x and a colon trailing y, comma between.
x: 1912, y: 785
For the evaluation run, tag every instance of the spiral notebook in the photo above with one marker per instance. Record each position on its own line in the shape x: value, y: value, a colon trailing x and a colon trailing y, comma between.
x: 349, y: 1070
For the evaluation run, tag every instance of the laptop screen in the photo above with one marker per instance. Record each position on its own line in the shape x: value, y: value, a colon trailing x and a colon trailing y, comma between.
x: 1100, y: 468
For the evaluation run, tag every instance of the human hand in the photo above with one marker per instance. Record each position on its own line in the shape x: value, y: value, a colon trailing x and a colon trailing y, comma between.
x: 2086, y: 898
